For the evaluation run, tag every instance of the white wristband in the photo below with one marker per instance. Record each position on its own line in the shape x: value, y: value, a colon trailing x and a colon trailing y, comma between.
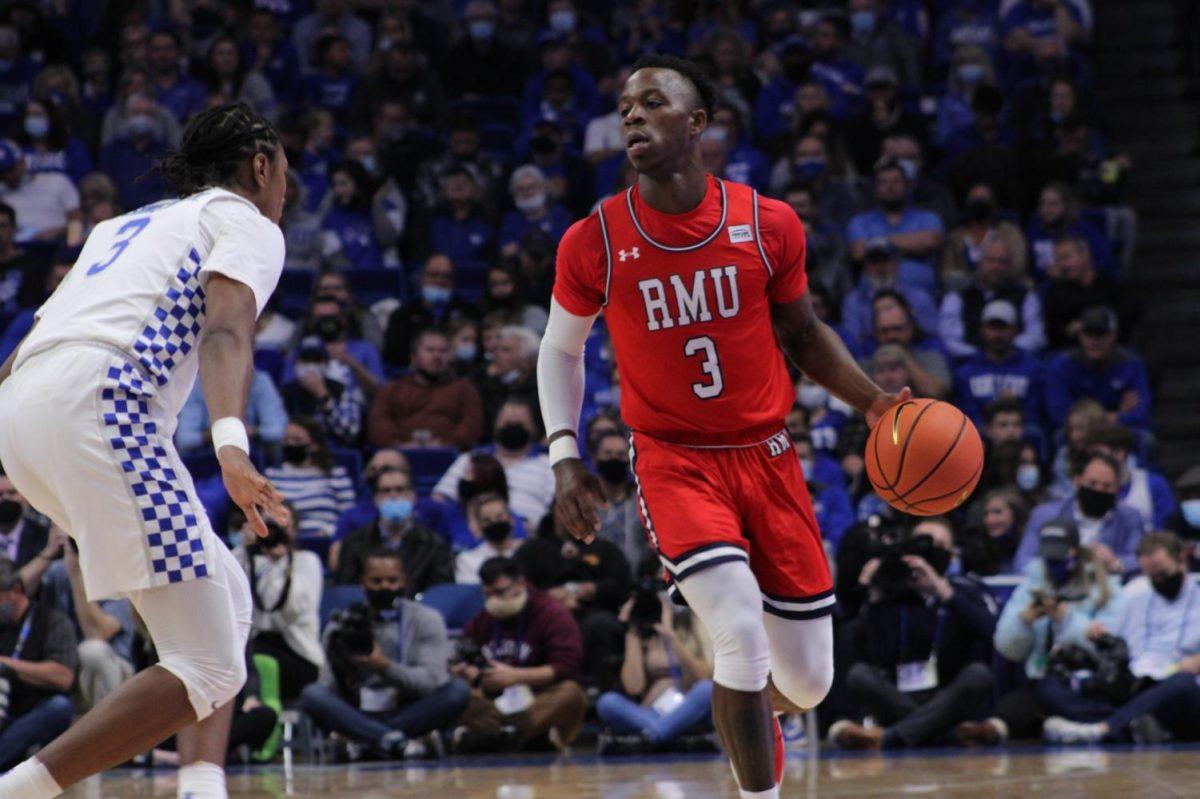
x: 562, y: 448
x: 230, y: 432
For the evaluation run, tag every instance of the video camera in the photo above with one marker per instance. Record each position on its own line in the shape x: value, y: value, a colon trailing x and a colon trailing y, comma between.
x: 354, y: 635
x: 647, y: 609
x: 471, y: 653
x: 891, y: 547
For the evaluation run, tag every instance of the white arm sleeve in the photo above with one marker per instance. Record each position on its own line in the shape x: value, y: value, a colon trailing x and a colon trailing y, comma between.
x: 560, y: 368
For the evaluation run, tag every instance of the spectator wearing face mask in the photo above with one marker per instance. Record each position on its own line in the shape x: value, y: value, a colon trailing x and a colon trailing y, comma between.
x: 139, y: 141
x: 1109, y: 528
x: 810, y: 164
x: 48, y: 145
x: 621, y: 521
x: 881, y: 117
x: 568, y: 177
x: 524, y: 677
x: 533, y: 209
x: 775, y: 104
x: 881, y: 266
x: 999, y: 370
x: 1066, y: 599
x: 481, y: 64
x: 825, y: 423
x: 426, y: 557
x: 1143, y: 489
x: 1161, y: 625
x: 927, y: 641
x: 325, y: 391
x: 876, y: 39
x: 1057, y: 217
x: 434, y: 306
x: 1099, y: 368
x: 334, y: 318
x: 346, y: 222
x: 1186, y: 522
x: 491, y: 521
x: 428, y: 407
x: 527, y: 471
x: 308, y: 478
x: 744, y: 163
x: 967, y: 244
x: 398, y: 691
x: 972, y: 68
x: 45, y: 204
x: 463, y: 151
x: 510, y: 375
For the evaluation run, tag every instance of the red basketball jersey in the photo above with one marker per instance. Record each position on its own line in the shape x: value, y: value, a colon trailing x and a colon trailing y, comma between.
x: 687, y: 299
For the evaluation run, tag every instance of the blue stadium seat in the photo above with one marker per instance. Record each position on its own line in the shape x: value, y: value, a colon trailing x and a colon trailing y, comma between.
x: 272, y: 362
x: 317, y: 544
x: 428, y: 465
x: 202, y: 464
x: 296, y: 283
x: 339, y: 597
x: 457, y: 603
x: 372, y: 285
x: 469, y: 277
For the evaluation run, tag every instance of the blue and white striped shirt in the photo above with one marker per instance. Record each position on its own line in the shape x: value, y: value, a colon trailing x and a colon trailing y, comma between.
x: 318, y: 498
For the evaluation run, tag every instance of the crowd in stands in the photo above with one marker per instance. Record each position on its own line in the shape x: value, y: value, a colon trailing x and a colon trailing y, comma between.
x: 966, y: 235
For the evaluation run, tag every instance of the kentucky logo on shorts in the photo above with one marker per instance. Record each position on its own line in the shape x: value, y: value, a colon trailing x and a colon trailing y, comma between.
x: 778, y: 444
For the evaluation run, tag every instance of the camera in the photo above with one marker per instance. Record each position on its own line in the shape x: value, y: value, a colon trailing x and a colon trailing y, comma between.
x: 647, y: 609
x: 354, y: 635
x: 471, y: 653
x: 894, y: 575
x: 275, y: 536
x: 311, y: 350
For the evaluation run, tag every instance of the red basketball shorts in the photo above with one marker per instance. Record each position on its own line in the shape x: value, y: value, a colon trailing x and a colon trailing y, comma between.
x: 706, y: 506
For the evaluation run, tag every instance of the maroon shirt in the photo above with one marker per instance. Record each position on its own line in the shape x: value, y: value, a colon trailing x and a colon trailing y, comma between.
x: 544, y: 634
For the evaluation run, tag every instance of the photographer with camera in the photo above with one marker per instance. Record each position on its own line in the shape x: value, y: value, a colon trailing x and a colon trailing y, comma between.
x: 385, y: 683
x: 666, y: 675
x: 521, y: 655
x: 1067, y: 598
x: 1155, y: 696
x: 37, y: 670
x: 926, y: 640
x: 285, y: 586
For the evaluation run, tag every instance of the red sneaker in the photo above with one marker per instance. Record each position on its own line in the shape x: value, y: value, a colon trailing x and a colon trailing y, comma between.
x: 780, y: 753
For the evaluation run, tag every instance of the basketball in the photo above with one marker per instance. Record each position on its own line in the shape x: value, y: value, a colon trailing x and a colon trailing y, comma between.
x: 924, y: 457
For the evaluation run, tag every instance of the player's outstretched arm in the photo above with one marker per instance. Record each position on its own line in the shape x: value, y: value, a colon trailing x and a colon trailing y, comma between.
x: 226, y: 368
x: 817, y: 350
x: 577, y: 492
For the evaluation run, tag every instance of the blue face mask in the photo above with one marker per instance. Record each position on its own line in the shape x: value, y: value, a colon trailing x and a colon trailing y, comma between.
x: 1028, y: 476
x: 970, y: 74
x: 482, y: 29
x: 862, y: 21
x: 395, y: 510
x: 435, y: 295
x: 1191, y: 512
x: 37, y: 127
x: 808, y: 169
x: 562, y: 21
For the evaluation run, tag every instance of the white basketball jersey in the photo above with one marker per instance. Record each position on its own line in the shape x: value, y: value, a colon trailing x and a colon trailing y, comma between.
x: 139, y: 282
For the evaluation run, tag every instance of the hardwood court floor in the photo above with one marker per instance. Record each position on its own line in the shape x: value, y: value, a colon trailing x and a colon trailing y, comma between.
x: 1029, y: 774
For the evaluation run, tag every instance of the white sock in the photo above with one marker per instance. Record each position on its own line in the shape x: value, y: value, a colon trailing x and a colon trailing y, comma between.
x: 29, y: 780
x: 202, y: 780
x: 770, y: 793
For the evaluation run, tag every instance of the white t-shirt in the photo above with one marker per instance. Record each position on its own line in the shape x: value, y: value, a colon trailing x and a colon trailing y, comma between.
x: 139, y: 282
x: 603, y: 134
x: 42, y: 202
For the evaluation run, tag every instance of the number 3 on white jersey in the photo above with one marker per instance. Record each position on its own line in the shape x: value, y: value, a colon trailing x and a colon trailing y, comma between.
x: 711, y: 366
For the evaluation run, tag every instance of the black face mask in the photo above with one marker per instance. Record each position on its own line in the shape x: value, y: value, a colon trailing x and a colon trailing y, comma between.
x: 1095, y: 504
x: 543, y: 145
x: 329, y: 328
x: 892, y: 206
x: 497, y: 531
x: 295, y: 453
x: 796, y: 70
x: 980, y: 210
x: 613, y: 471
x: 1169, y: 587
x: 10, y: 511
x: 382, y: 598
x: 513, y: 436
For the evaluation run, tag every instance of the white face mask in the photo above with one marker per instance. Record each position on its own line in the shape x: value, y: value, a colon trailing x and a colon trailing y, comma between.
x: 531, y: 205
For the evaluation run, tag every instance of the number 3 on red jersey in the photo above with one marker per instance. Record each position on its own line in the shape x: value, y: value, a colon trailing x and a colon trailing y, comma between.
x: 711, y: 366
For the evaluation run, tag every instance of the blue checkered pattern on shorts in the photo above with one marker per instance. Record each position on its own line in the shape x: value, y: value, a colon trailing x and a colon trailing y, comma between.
x: 171, y: 332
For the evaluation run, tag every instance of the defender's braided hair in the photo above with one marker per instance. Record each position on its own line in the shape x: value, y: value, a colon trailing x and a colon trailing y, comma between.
x: 215, y: 145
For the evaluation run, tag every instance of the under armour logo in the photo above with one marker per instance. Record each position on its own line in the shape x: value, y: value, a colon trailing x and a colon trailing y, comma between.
x: 626, y: 254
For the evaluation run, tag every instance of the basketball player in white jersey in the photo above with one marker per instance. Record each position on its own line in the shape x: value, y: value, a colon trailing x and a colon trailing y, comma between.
x: 88, y: 406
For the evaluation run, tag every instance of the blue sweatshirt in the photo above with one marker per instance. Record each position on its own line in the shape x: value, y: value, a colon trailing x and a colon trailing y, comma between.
x: 979, y: 381
x: 1069, y: 377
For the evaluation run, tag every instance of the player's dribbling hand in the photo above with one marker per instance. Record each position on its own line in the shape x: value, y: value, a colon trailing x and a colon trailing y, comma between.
x: 884, y: 401
x: 248, y: 489
x: 577, y: 496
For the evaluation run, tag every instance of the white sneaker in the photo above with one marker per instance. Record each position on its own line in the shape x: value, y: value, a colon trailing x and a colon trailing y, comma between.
x: 1058, y: 730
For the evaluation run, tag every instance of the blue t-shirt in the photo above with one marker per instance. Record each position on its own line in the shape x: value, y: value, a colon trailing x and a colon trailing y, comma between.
x: 747, y: 165
x: 182, y: 98
x: 979, y: 381
x: 773, y: 108
x: 827, y: 432
x: 515, y: 225
x: 357, y: 236
x: 467, y: 241
x: 74, y: 161
x: 914, y: 271
x: 1041, y: 244
x: 333, y: 93
x: 844, y: 82
x: 1039, y: 22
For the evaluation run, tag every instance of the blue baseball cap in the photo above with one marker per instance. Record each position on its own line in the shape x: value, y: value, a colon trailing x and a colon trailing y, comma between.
x: 10, y: 154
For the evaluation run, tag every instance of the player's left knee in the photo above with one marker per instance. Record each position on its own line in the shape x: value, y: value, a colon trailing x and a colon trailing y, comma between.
x: 806, y: 683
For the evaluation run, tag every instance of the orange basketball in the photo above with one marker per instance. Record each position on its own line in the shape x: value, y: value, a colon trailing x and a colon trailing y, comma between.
x: 924, y: 457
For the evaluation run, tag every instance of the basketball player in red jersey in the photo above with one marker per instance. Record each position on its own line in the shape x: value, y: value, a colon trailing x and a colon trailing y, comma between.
x: 703, y: 288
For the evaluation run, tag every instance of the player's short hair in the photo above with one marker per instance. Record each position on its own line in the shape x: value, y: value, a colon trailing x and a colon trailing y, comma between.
x: 1002, y: 405
x: 495, y: 568
x: 214, y: 146
x: 695, y: 74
